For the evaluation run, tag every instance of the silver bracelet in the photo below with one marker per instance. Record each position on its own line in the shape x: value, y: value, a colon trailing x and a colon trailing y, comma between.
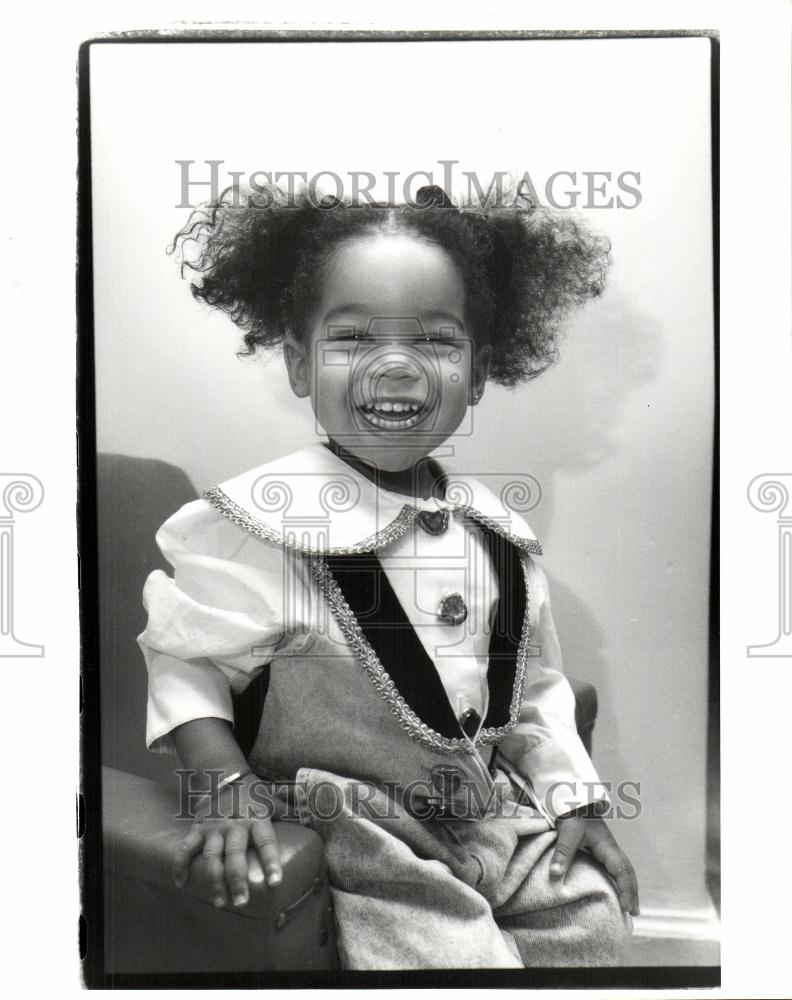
x: 211, y: 797
x: 229, y: 781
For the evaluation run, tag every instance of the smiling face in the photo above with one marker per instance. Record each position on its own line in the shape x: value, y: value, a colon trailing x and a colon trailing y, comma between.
x: 387, y: 358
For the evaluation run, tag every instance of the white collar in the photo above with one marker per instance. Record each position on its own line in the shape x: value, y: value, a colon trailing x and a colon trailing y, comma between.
x: 313, y: 501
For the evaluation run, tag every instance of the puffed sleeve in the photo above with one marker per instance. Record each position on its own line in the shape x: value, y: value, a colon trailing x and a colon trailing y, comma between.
x: 544, y: 747
x: 213, y: 624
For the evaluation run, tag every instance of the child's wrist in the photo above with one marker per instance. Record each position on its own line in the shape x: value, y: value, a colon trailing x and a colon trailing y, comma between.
x: 240, y: 796
x: 215, y: 783
x: 236, y: 777
x: 211, y: 779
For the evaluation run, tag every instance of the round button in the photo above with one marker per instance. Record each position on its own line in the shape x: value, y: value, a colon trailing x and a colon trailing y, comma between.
x: 470, y: 721
x: 452, y: 610
x: 434, y: 522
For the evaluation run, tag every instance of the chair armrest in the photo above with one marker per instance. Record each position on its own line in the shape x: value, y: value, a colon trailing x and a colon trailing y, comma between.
x: 586, y: 706
x: 150, y: 926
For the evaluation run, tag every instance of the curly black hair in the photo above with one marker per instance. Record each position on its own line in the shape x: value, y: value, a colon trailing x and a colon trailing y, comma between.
x: 525, y: 267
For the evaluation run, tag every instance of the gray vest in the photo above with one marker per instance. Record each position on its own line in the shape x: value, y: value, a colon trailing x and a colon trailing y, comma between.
x: 361, y: 698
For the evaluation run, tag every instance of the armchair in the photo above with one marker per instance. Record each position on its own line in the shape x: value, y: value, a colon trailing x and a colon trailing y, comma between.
x: 149, y: 926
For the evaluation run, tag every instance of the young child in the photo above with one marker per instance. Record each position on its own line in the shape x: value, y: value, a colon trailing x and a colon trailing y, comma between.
x: 416, y: 704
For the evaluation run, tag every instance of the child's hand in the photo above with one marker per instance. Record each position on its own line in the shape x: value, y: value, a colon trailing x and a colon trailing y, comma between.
x: 576, y: 831
x: 224, y: 841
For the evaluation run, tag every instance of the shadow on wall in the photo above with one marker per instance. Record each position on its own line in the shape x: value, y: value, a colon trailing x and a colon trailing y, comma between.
x: 586, y: 655
x: 580, y: 403
x: 578, y: 412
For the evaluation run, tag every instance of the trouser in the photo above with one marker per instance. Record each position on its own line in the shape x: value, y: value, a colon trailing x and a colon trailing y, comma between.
x: 440, y: 894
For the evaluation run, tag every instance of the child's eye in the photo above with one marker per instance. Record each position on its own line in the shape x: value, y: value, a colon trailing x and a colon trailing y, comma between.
x: 345, y: 333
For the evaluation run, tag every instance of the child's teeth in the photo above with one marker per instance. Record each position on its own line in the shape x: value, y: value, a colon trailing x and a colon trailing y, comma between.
x: 388, y: 407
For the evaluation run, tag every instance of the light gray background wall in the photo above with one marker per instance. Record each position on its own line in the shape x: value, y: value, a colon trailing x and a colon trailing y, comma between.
x: 619, y: 434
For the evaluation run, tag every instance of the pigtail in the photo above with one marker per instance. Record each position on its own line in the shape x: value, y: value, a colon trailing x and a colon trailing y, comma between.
x: 545, y: 265
x: 244, y: 252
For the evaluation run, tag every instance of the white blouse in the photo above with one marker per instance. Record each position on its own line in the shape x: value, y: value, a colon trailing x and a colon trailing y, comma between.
x: 240, y: 591
x: 423, y: 569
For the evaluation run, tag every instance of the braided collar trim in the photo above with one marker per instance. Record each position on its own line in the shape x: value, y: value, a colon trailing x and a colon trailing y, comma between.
x: 373, y: 543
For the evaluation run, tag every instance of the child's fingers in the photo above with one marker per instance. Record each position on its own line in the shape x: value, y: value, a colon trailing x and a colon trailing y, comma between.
x: 213, y: 856
x: 266, y: 843
x: 627, y: 884
x: 628, y: 890
x: 236, y: 863
x: 618, y: 866
x: 570, y: 837
x: 184, y: 853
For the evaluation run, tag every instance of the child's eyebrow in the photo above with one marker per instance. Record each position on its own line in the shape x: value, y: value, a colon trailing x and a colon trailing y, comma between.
x: 358, y: 309
x: 352, y: 309
x: 443, y: 316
